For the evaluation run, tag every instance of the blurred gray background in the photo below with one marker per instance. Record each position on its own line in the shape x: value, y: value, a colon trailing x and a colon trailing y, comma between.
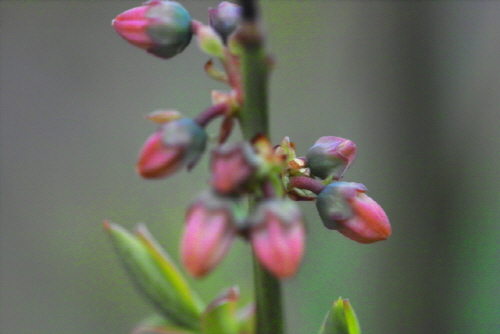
x: 415, y: 84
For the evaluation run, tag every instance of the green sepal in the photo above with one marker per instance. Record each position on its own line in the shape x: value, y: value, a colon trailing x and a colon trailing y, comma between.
x: 156, y: 276
x: 220, y: 316
x: 214, y: 73
x: 209, y: 41
x: 157, y: 324
x: 341, y: 319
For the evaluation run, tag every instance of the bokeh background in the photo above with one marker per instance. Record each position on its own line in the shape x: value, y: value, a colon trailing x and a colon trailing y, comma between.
x: 415, y: 84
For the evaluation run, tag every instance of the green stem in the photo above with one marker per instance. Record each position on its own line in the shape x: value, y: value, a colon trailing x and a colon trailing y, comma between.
x: 268, y: 299
x: 253, y: 116
x: 254, y: 121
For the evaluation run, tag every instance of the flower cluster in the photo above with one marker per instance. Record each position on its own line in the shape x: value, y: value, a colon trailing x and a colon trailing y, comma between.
x: 254, y: 185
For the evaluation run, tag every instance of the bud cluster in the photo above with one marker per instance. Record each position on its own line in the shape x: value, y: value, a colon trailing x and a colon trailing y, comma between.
x: 253, y: 185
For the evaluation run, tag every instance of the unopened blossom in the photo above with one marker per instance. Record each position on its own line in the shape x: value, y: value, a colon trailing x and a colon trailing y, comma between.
x: 345, y: 207
x: 208, y: 234
x: 277, y: 235
x: 163, y: 28
x: 174, y: 145
x: 225, y: 18
x: 330, y: 156
x: 232, y: 165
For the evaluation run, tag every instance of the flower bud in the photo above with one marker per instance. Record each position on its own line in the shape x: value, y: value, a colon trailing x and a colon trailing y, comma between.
x: 208, y: 234
x: 330, y: 156
x: 225, y: 18
x: 345, y: 207
x: 161, y: 27
x: 208, y: 40
x: 277, y: 236
x: 174, y: 145
x: 232, y: 166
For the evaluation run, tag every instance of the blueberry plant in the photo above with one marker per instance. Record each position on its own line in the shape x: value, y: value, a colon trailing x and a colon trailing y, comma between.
x: 253, y: 188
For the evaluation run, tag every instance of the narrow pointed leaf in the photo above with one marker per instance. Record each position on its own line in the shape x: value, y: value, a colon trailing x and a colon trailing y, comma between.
x: 220, y: 315
x: 157, y: 324
x: 170, y: 271
x: 341, y: 319
x: 247, y: 319
x: 161, y: 284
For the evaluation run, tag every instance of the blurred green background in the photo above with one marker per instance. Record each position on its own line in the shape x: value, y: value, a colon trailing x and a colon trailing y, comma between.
x: 415, y: 84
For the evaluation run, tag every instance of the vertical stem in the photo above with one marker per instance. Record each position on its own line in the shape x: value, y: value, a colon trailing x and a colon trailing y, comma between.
x: 253, y: 117
x: 268, y: 299
x: 254, y: 120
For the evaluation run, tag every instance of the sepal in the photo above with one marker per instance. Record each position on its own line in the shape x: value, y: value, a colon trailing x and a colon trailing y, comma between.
x: 208, y: 40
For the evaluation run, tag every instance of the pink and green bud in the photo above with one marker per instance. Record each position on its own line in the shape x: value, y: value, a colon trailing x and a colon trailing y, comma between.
x: 330, y: 156
x: 277, y: 235
x: 208, y: 234
x: 174, y: 145
x: 232, y: 165
x: 161, y: 27
x: 345, y: 207
x: 225, y: 18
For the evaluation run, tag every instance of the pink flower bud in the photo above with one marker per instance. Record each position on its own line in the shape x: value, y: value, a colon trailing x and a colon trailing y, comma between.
x: 174, y: 145
x: 345, y: 207
x: 208, y: 234
x: 163, y: 28
x: 277, y: 236
x: 232, y: 165
x: 330, y: 156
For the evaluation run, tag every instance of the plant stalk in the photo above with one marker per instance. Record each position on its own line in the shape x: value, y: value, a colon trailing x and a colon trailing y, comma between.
x: 253, y: 119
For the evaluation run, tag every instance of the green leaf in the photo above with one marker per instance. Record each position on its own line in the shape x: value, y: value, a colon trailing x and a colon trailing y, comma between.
x: 156, y: 324
x: 247, y: 319
x: 156, y: 276
x: 220, y: 316
x: 341, y: 319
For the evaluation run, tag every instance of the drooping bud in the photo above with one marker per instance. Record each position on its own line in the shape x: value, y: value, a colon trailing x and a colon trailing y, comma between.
x: 277, y: 236
x: 232, y: 165
x: 161, y: 27
x: 330, y: 156
x: 175, y: 144
x: 208, y: 233
x: 225, y: 18
x: 345, y: 207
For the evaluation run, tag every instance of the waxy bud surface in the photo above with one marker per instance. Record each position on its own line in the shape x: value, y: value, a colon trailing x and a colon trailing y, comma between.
x: 174, y: 145
x: 232, y: 166
x: 208, y: 234
x: 225, y: 18
x: 162, y: 28
x: 345, y: 207
x: 277, y: 235
x: 330, y: 156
